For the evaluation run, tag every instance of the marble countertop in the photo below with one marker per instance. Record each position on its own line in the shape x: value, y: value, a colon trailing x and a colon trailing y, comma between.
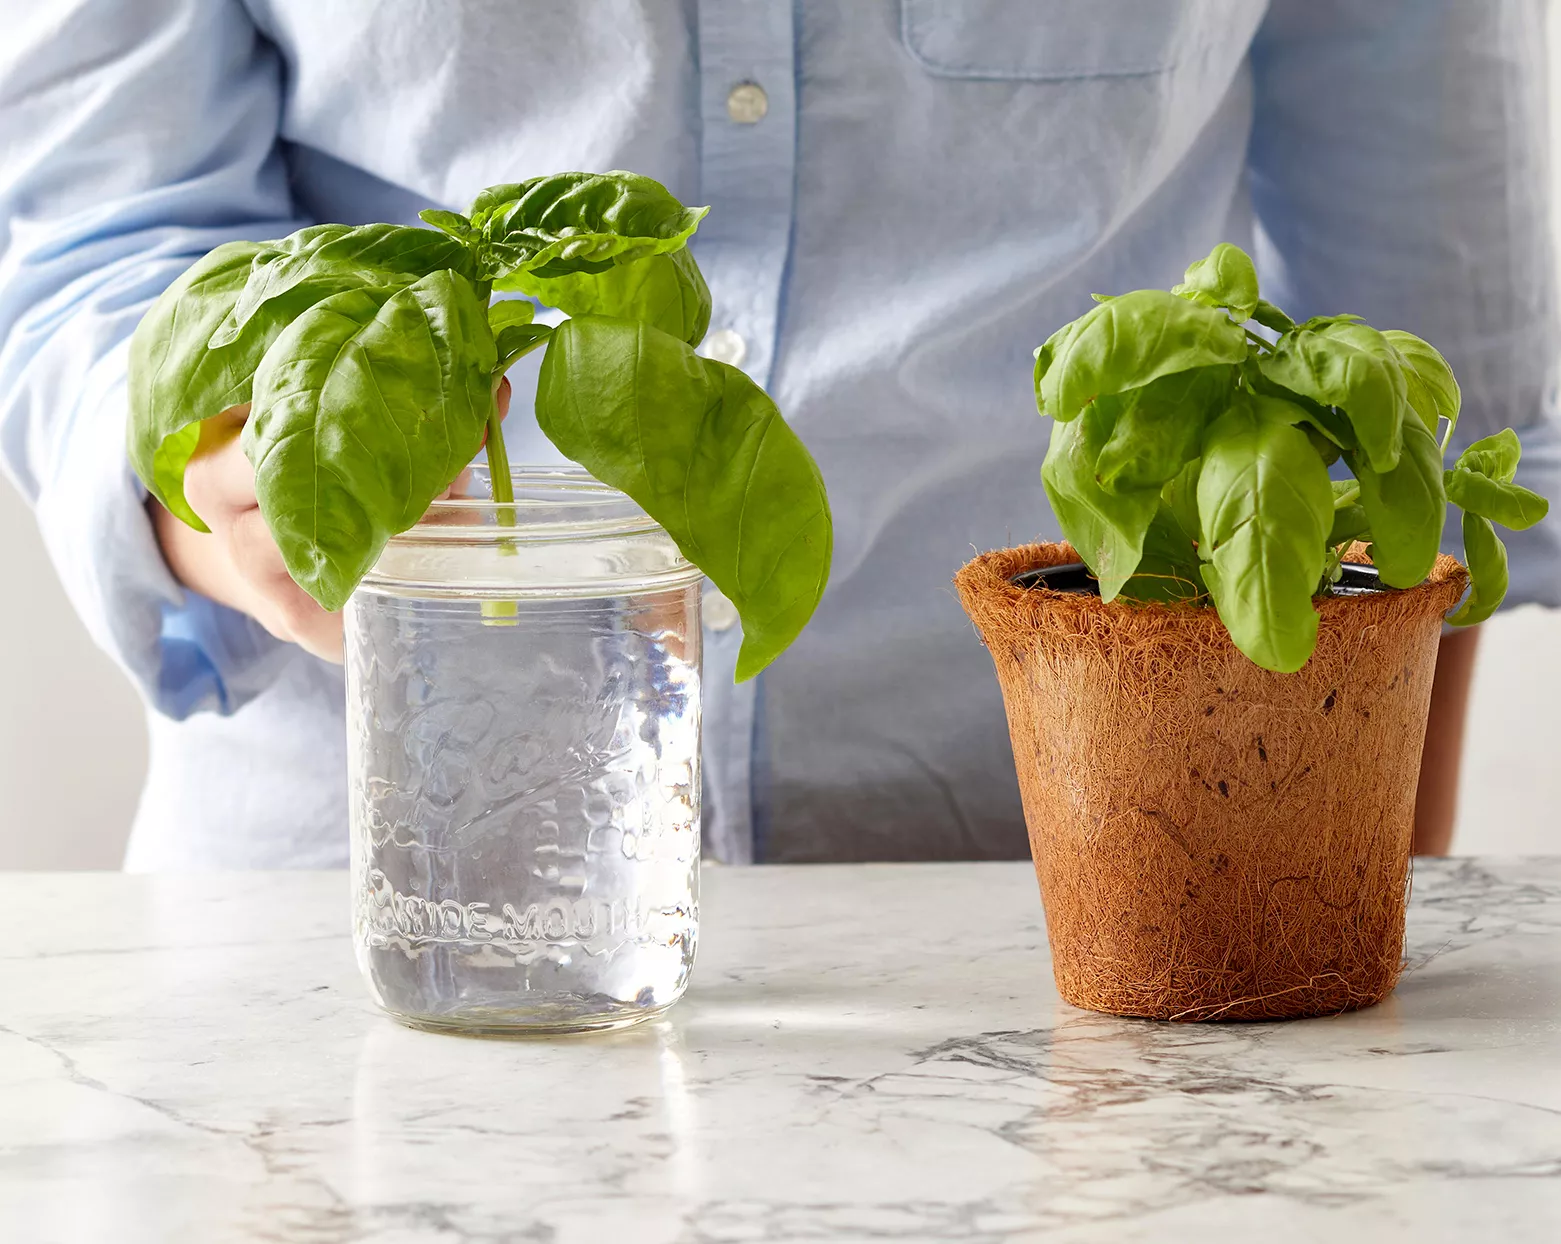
x: 866, y: 1053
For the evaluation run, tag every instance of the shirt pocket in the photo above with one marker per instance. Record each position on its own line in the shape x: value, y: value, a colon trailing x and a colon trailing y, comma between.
x: 1047, y: 40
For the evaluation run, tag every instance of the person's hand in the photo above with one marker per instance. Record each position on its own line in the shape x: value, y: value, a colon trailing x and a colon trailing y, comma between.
x: 238, y: 564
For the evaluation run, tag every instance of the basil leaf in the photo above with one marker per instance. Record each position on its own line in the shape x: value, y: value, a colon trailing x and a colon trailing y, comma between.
x: 1511, y: 505
x: 1267, y: 507
x: 1430, y: 385
x: 175, y: 381
x: 1181, y: 496
x: 517, y: 341
x: 335, y: 258
x: 665, y: 291
x: 365, y: 408
x: 1349, y: 516
x: 511, y: 313
x: 1130, y: 341
x: 1045, y: 356
x: 1270, y: 316
x: 1336, y: 361
x: 1481, y: 483
x: 1486, y: 557
x: 706, y: 454
x: 1107, y: 528
x: 1225, y: 278
x: 1304, y: 415
x: 1350, y: 523
x: 514, y: 335
x: 453, y: 223
x: 576, y: 222
x: 1406, y: 508
x: 1169, y: 569
x: 1157, y: 429
x: 1493, y: 456
x: 1327, y: 421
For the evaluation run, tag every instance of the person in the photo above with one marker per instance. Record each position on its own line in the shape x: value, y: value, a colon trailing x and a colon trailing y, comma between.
x: 906, y: 197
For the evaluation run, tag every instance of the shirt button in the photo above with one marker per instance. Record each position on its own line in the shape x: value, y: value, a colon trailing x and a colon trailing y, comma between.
x: 719, y: 613
x: 747, y: 103
x: 725, y: 345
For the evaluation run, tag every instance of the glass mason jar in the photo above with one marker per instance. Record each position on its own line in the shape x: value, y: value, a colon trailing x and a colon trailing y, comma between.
x: 523, y: 761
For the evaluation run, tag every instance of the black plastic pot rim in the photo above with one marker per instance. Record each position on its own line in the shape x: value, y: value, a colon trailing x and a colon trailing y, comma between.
x: 1357, y: 579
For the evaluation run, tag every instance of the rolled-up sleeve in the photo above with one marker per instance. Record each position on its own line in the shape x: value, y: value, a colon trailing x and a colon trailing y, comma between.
x: 133, y: 138
x: 1400, y: 169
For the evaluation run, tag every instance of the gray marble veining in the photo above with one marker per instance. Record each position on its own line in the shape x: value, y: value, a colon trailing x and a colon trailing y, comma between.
x: 866, y: 1053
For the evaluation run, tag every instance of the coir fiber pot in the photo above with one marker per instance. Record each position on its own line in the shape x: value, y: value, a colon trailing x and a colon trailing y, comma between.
x: 1214, y: 840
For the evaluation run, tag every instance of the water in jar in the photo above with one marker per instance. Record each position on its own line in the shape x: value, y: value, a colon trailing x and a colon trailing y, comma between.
x: 524, y: 786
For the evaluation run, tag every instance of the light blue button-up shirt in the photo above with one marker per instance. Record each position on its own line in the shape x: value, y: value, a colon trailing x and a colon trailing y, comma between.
x: 933, y: 186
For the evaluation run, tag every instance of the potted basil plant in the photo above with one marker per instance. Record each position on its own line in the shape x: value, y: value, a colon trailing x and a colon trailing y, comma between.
x: 523, y: 645
x: 1217, y: 717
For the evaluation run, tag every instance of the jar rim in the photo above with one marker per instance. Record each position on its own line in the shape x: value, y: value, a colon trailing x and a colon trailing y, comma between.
x: 552, y: 504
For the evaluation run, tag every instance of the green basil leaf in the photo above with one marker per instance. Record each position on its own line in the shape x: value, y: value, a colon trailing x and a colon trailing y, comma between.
x: 1406, y: 508
x: 1157, y: 429
x: 1326, y: 449
x: 334, y: 258
x: 706, y: 454
x: 1430, y: 385
x: 1511, y: 505
x: 1045, y: 355
x: 1267, y: 506
x: 1326, y: 420
x: 1129, y: 341
x: 1323, y: 321
x: 365, y: 408
x: 576, y: 222
x: 1181, y: 496
x: 1169, y: 569
x: 1349, y: 516
x: 175, y: 381
x: 453, y: 223
x: 514, y: 335
x: 1298, y: 412
x: 1107, y: 528
x: 665, y: 291
x: 1486, y: 557
x: 1350, y: 523
x: 517, y: 341
x: 1493, y: 456
x: 1225, y: 278
x: 1336, y: 361
x: 511, y: 313
x: 1270, y: 316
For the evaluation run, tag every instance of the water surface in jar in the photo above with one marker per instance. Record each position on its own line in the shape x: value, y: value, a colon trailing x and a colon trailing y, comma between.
x: 525, y: 805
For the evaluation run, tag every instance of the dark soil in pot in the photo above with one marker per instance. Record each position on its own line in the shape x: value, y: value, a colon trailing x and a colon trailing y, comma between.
x: 1213, y: 840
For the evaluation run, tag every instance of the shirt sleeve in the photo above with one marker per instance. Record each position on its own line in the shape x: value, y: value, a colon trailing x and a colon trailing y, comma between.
x: 133, y: 138
x: 1400, y: 169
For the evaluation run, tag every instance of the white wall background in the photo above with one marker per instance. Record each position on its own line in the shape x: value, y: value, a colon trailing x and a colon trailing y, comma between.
x: 72, y: 738
x: 73, y: 742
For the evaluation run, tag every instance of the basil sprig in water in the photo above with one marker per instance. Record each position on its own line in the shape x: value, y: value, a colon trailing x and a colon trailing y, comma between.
x: 1189, y: 456
x: 371, y: 357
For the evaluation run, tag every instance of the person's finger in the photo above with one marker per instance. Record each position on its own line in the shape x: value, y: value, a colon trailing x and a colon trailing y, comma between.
x: 255, y: 554
x: 323, y: 638
x: 219, y: 481
x: 300, y: 619
x: 501, y: 400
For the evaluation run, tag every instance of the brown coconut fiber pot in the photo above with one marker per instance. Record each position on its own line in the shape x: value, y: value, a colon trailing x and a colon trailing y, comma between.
x: 1214, y: 840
